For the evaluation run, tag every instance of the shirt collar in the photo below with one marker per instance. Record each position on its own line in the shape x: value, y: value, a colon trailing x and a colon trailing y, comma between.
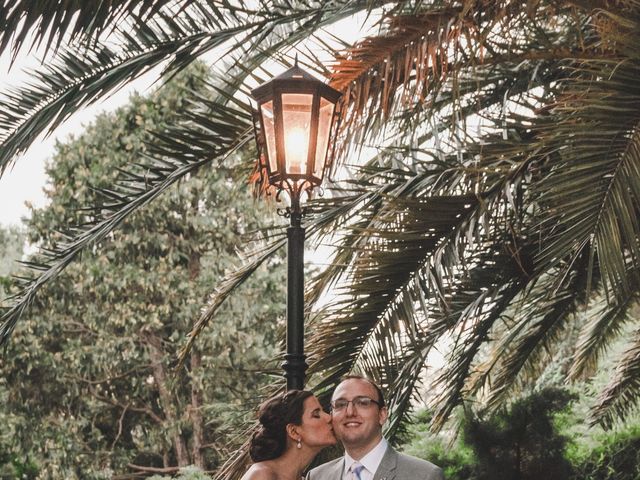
x: 371, y: 461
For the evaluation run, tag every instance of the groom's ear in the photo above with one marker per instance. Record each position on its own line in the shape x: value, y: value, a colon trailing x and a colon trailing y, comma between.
x: 383, y: 414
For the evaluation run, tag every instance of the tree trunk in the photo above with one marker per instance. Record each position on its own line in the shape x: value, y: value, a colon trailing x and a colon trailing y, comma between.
x: 195, y: 412
x: 160, y: 377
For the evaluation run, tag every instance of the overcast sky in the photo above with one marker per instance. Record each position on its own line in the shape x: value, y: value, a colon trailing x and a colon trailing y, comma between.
x: 25, y: 180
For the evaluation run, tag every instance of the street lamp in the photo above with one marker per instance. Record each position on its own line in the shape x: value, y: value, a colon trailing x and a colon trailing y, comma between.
x: 295, y: 125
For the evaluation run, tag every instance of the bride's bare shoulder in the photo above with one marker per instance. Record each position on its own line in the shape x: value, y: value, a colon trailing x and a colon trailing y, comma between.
x: 260, y: 471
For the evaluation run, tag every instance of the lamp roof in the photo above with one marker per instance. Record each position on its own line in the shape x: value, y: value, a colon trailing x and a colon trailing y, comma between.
x: 292, y: 76
x: 296, y: 73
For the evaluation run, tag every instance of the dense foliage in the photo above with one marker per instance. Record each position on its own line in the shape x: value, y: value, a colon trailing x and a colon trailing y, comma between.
x: 521, y: 443
x: 12, y: 241
x: 533, y: 438
x: 89, y: 387
x: 616, y: 456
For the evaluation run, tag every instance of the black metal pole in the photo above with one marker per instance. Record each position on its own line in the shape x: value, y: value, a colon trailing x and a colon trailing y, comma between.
x: 294, y: 360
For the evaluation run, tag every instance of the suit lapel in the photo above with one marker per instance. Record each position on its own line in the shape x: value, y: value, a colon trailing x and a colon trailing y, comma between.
x: 387, y: 468
x: 336, y: 470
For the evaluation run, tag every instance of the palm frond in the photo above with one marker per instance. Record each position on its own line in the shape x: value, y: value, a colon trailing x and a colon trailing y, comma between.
x: 539, y: 318
x: 378, y: 296
x: 477, y: 304
x: 592, y: 185
x: 217, y: 133
x: 602, y: 328
x: 79, y: 76
x: 48, y: 23
x: 455, y: 51
x: 389, y: 220
x: 622, y: 394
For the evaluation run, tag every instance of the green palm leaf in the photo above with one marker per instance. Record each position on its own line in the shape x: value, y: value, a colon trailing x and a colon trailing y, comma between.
x: 27, y: 23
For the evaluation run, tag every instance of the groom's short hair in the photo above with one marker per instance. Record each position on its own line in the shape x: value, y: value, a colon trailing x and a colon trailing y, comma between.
x: 371, y: 382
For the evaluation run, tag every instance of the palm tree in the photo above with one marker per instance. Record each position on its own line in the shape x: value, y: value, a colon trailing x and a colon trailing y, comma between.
x: 499, y: 211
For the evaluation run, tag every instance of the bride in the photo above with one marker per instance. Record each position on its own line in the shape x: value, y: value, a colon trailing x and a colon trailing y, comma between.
x: 293, y: 429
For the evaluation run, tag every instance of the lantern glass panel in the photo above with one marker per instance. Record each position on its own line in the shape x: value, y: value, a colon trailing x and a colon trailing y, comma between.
x: 270, y: 134
x: 324, y: 129
x: 296, y: 119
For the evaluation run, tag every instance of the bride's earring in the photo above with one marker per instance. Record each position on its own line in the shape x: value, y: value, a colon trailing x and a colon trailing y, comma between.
x: 299, y: 443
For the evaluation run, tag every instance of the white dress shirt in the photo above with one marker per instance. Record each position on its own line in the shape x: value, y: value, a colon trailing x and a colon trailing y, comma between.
x: 370, y: 462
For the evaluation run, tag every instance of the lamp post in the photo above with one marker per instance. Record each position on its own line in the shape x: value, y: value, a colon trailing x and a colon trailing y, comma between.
x: 295, y: 125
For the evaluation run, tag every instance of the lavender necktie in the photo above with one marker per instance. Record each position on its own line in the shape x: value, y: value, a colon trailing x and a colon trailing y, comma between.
x: 356, y: 469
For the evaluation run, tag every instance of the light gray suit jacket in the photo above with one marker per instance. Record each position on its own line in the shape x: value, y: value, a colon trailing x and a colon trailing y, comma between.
x: 394, y: 465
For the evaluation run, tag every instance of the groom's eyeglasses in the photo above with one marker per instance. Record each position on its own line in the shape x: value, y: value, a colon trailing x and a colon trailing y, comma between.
x: 359, y: 402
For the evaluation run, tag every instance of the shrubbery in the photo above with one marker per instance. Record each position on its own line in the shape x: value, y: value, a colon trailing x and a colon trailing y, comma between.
x: 454, y: 457
x: 526, y: 442
x: 521, y: 442
x: 186, y: 473
x: 616, y: 457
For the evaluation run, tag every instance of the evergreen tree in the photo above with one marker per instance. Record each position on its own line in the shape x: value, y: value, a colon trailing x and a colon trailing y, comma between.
x: 522, y: 442
x: 90, y: 383
x: 11, y: 247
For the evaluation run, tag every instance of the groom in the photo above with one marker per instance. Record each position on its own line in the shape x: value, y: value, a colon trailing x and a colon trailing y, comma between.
x: 358, y: 412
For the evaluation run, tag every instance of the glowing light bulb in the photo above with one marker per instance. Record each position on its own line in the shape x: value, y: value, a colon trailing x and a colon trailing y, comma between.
x: 296, y: 144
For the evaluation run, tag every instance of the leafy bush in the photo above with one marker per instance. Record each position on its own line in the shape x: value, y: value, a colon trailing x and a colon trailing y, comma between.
x: 186, y: 473
x: 456, y: 459
x: 522, y: 442
x: 617, y: 457
x: 14, y: 468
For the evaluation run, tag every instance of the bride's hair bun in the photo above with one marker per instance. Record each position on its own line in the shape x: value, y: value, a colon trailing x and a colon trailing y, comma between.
x: 270, y: 440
